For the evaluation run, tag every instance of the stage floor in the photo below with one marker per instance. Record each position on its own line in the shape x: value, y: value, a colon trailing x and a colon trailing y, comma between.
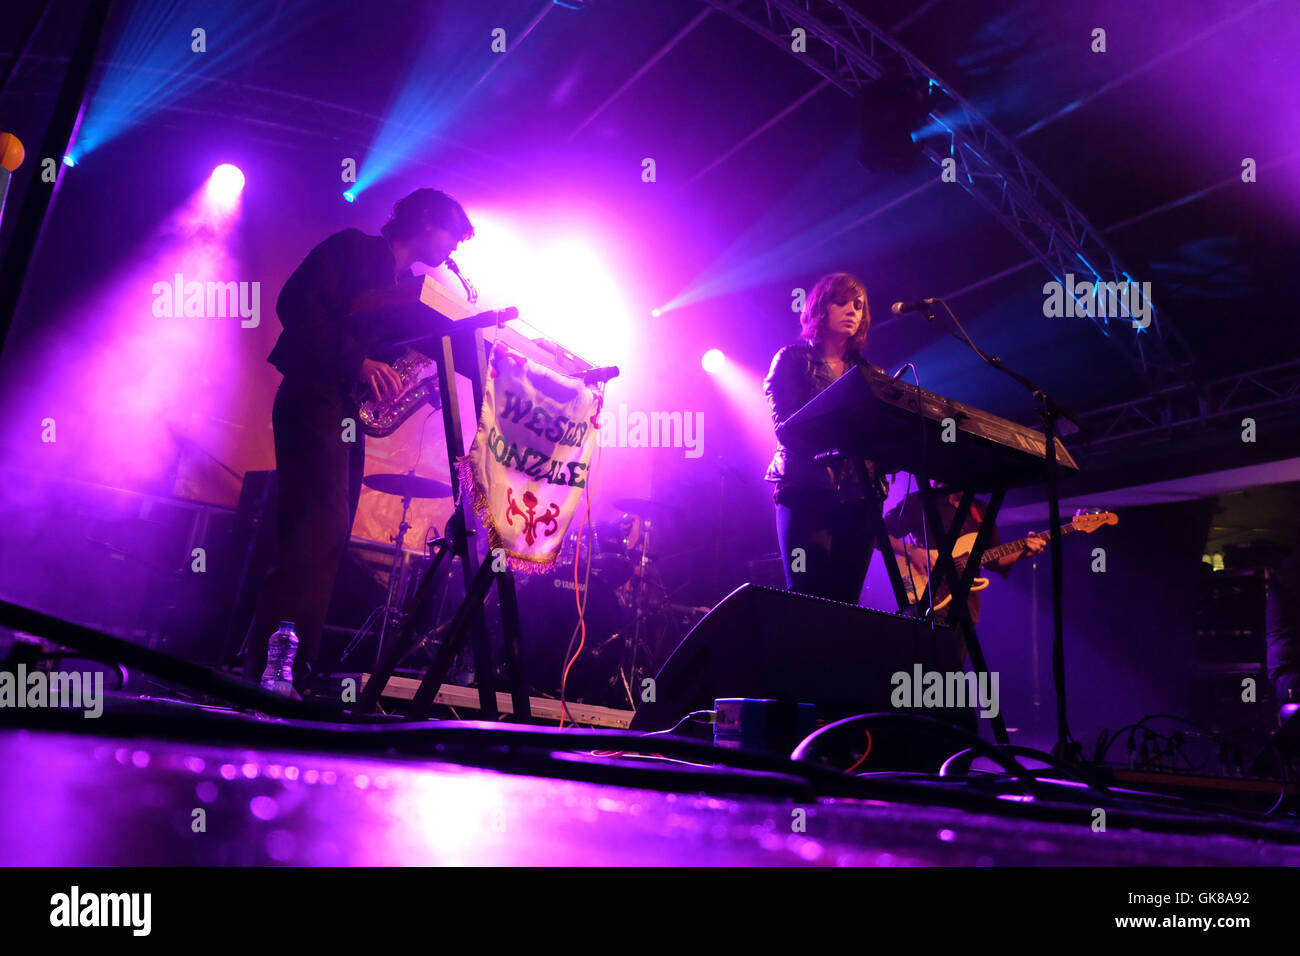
x: 72, y: 799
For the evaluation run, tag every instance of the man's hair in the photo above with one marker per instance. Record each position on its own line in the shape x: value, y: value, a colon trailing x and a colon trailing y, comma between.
x: 837, y: 288
x: 423, y: 209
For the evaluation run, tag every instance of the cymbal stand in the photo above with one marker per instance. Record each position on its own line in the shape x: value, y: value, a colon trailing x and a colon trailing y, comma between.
x: 398, y: 542
x: 388, y: 611
x: 633, y: 642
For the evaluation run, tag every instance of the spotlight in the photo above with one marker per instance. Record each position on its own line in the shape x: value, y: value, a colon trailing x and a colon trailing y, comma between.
x: 69, y: 161
x: 226, y: 183
x: 350, y: 196
x: 655, y: 313
x: 713, y: 360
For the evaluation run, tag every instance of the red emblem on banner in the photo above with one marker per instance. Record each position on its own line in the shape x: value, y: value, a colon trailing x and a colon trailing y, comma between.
x: 531, y: 518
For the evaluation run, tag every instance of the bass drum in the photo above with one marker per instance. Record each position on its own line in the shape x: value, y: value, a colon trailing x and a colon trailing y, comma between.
x: 548, y: 616
x: 603, y: 545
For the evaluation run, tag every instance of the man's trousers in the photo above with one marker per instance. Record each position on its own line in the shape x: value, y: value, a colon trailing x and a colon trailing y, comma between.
x: 319, y: 477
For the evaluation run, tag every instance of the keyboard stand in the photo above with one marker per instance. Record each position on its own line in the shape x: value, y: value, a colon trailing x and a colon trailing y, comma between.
x: 880, y: 535
x: 959, y: 587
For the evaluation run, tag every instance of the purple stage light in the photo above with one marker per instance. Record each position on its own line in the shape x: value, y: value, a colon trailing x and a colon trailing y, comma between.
x: 713, y: 361
x: 225, y: 184
x: 565, y: 282
x: 163, y: 323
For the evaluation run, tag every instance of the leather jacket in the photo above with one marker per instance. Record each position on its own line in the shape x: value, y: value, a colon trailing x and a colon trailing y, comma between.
x: 798, y: 374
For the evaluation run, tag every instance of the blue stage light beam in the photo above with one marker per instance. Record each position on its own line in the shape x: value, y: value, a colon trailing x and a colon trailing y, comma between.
x: 787, y: 242
x: 154, y: 65
x: 452, y: 64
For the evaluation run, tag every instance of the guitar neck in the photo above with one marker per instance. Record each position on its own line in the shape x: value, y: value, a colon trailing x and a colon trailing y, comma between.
x: 1011, y: 547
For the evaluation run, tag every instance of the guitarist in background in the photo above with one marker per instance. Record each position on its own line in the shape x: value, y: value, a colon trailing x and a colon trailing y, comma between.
x: 908, y: 519
x: 329, y: 351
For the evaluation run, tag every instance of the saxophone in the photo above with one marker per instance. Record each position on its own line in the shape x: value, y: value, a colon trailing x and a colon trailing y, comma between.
x: 418, y: 373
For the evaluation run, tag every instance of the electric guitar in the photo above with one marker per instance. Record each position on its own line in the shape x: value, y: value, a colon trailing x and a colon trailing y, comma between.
x: 914, y: 571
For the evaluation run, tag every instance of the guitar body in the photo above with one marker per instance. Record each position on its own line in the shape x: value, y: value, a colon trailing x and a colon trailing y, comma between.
x: 914, y: 571
x: 913, y: 566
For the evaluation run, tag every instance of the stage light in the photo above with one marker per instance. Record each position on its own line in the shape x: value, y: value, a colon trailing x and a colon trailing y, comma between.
x: 350, y: 196
x: 146, y: 72
x: 713, y: 361
x: 226, y: 183
x: 440, y: 82
x: 566, y: 286
x: 655, y: 313
x: 69, y: 161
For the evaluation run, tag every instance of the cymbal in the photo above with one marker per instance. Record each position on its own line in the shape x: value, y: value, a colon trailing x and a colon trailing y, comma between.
x: 646, y: 507
x: 408, y: 486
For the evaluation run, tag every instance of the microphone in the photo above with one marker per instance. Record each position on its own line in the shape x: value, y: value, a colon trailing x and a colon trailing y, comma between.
x: 604, y: 373
x: 920, y: 305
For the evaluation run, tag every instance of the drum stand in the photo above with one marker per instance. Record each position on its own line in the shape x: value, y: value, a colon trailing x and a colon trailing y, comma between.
x: 632, y: 644
x: 409, y: 487
x: 398, y: 543
x: 388, y: 611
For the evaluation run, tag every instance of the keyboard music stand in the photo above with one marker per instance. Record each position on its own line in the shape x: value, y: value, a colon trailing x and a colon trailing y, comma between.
x: 447, y: 348
x: 459, y: 345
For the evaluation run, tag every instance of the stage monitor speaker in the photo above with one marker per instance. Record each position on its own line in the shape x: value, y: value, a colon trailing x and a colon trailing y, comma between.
x: 765, y: 643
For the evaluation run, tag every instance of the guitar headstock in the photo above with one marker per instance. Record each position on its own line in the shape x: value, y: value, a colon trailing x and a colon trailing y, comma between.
x: 1090, y: 521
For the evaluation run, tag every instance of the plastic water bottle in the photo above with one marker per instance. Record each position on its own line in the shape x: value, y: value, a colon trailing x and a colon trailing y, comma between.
x: 280, y: 651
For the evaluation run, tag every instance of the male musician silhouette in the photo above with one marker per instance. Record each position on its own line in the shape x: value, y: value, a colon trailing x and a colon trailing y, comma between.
x: 327, y: 352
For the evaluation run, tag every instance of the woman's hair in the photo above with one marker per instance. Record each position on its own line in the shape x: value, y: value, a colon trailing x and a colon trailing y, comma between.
x: 425, y: 208
x: 837, y: 288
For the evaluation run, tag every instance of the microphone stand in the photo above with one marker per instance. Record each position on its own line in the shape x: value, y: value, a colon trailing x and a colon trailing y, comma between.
x: 1050, y: 411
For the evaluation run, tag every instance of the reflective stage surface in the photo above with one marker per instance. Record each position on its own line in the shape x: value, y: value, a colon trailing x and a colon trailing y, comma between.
x: 82, y: 800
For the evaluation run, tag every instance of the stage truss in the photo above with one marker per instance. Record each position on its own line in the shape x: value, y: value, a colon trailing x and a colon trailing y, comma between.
x: 847, y: 49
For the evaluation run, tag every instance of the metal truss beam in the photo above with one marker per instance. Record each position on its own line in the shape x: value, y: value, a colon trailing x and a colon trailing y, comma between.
x: 1171, y: 411
x: 850, y: 51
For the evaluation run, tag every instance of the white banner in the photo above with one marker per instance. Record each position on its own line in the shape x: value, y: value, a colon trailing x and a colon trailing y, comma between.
x: 526, y: 472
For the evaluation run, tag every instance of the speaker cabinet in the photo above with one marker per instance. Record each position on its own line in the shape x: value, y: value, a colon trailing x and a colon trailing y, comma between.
x: 767, y: 643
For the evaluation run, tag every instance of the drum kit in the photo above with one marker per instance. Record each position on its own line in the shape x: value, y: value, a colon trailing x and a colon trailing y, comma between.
x: 610, y: 568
